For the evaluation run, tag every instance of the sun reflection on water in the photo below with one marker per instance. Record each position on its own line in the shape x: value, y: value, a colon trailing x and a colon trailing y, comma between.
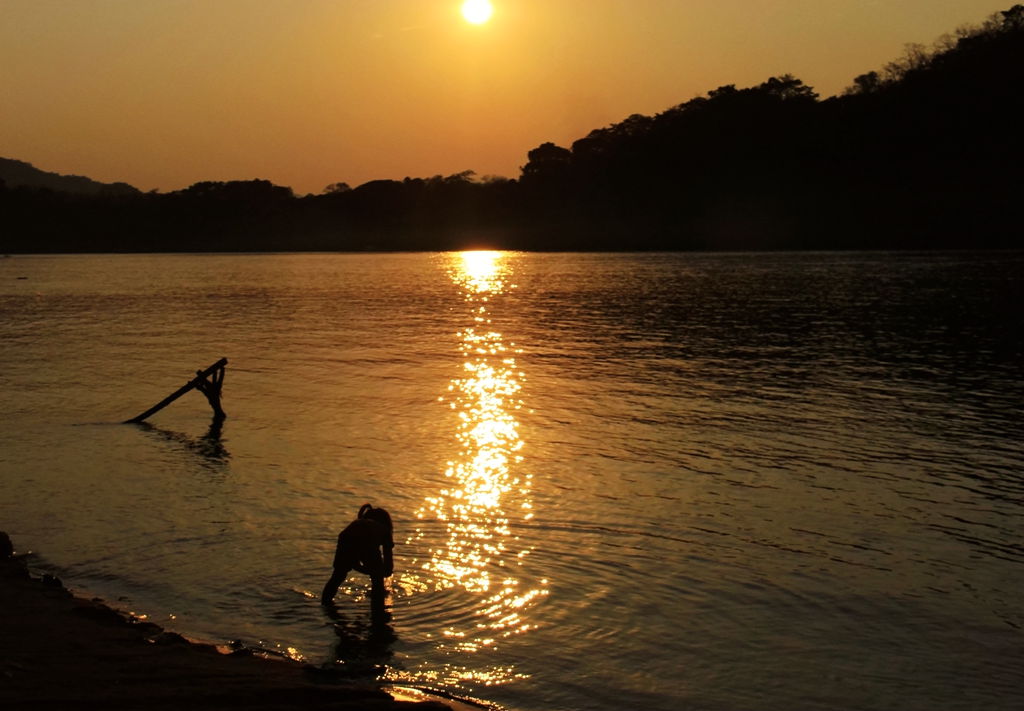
x: 468, y: 527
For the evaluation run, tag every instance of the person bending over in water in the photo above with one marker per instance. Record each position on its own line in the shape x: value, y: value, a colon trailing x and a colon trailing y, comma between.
x: 364, y: 546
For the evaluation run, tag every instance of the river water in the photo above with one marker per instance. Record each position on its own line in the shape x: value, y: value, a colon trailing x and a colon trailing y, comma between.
x: 659, y: 481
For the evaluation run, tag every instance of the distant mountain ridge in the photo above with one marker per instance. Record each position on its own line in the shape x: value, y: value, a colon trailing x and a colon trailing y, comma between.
x: 17, y: 173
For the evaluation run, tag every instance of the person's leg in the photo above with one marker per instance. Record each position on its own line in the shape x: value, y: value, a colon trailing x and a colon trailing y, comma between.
x: 377, y: 589
x: 373, y: 565
x: 336, y: 579
x: 378, y: 596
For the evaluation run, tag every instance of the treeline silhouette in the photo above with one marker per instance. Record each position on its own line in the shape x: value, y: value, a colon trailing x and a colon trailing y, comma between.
x: 923, y: 153
x: 17, y: 172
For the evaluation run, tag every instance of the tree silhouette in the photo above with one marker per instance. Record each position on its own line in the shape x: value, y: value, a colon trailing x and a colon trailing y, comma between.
x: 919, y: 153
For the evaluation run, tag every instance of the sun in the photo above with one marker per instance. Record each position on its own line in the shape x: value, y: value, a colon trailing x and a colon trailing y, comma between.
x: 477, y: 11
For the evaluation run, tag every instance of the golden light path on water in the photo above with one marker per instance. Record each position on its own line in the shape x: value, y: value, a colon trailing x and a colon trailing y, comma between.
x: 471, y: 519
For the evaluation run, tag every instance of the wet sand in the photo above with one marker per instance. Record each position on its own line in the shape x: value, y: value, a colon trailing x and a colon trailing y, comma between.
x: 58, y: 651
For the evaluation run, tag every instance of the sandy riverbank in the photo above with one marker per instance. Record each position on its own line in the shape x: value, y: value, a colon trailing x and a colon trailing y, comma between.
x: 62, y: 651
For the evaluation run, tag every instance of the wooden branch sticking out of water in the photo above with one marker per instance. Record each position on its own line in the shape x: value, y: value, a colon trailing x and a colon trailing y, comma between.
x: 208, y: 382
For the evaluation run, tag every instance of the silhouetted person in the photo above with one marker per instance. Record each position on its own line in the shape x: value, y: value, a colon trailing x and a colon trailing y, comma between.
x: 365, y: 546
x: 211, y: 389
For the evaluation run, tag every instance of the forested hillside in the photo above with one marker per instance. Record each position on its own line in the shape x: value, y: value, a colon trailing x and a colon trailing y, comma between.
x: 922, y: 153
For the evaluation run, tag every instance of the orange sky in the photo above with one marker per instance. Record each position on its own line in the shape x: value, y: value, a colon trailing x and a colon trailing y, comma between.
x: 164, y: 93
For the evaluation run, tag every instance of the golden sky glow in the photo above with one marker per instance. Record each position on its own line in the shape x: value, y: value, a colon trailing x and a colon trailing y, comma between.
x: 164, y: 93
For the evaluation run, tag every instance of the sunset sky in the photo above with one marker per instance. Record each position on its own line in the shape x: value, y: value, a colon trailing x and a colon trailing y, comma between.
x: 165, y: 93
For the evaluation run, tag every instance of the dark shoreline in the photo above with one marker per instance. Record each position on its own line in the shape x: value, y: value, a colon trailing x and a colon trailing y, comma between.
x: 62, y: 651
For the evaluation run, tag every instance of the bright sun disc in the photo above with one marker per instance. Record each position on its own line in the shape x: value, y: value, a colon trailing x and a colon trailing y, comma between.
x: 477, y: 11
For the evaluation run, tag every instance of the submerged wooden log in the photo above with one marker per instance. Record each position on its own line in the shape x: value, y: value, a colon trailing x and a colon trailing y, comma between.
x: 210, y: 388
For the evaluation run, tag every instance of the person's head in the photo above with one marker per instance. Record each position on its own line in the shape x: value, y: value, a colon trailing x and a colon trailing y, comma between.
x: 381, y: 516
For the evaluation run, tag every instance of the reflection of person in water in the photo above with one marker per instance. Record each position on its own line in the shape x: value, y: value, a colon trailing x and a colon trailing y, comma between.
x: 363, y: 646
x: 364, y: 546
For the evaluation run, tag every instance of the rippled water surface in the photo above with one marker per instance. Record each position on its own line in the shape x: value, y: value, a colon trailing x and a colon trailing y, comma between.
x: 786, y: 481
